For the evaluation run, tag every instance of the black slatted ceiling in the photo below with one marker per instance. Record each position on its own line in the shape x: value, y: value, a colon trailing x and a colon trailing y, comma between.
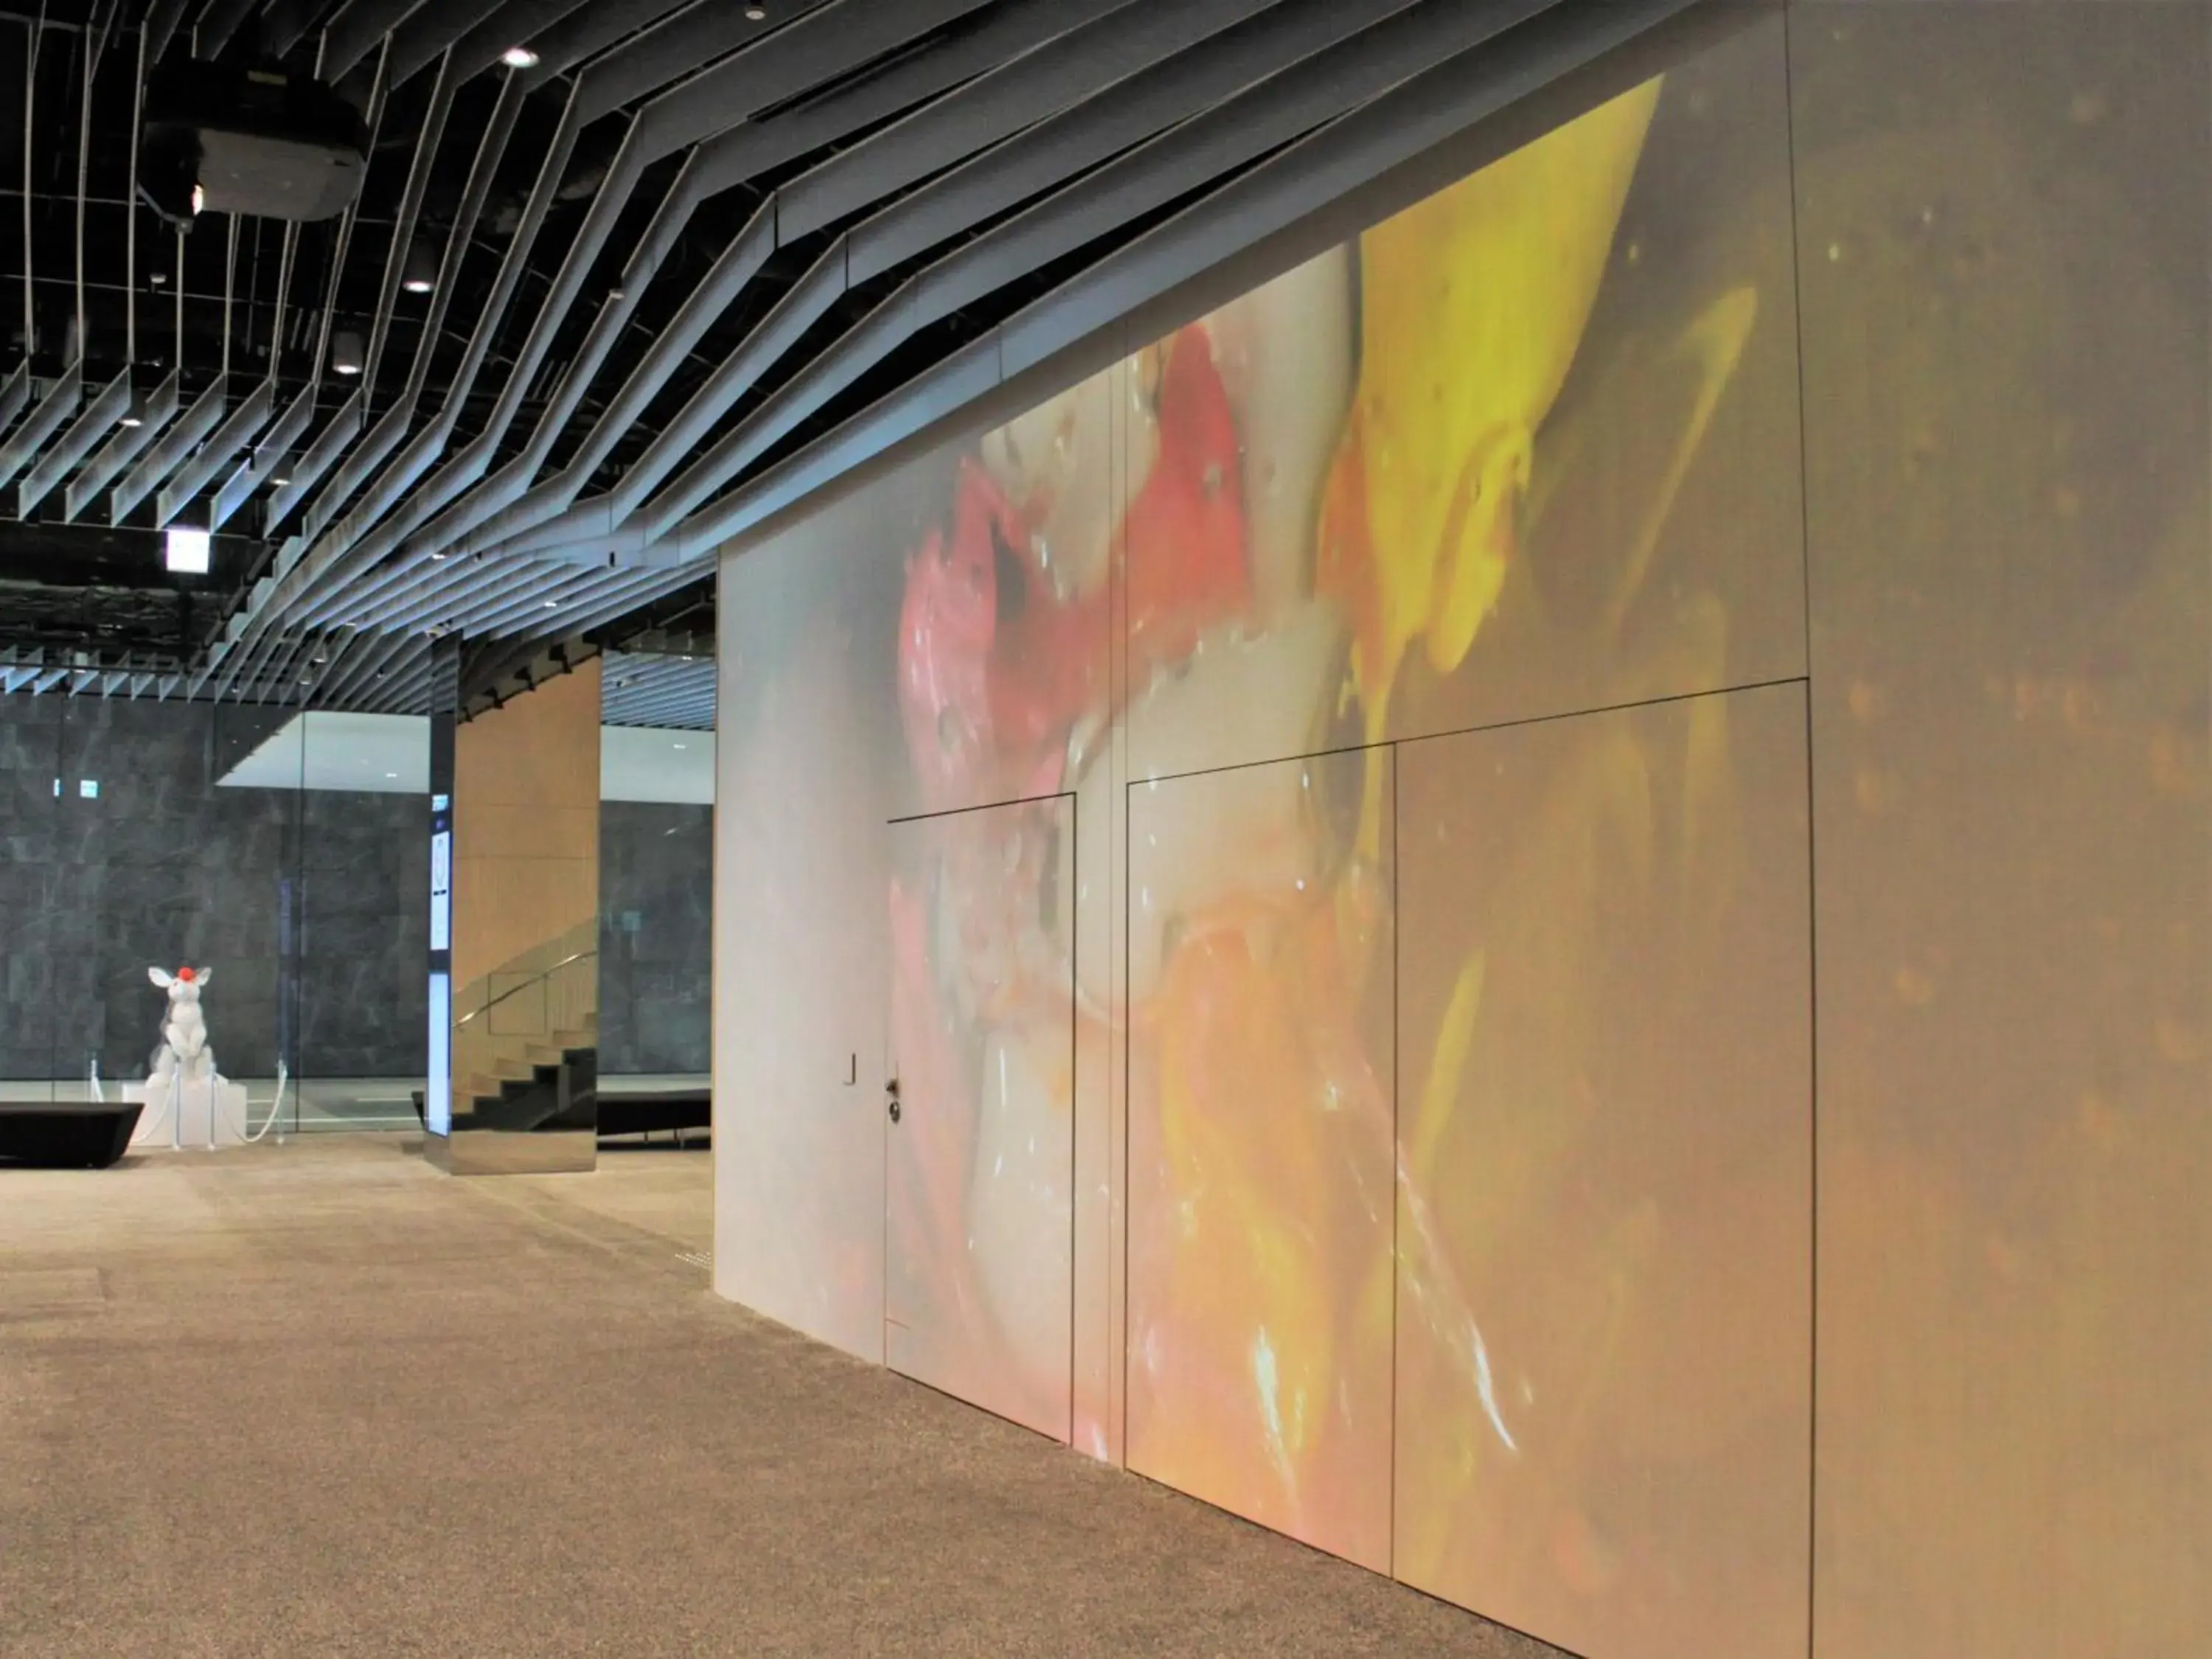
x: 691, y: 263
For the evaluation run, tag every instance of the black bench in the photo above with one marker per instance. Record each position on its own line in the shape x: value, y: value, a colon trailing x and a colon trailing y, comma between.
x: 57, y: 1134
x: 640, y: 1113
x: 663, y: 1109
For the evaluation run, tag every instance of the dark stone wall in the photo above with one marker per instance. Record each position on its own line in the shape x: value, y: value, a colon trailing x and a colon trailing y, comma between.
x: 363, y: 997
x: 310, y: 907
x: 656, y: 922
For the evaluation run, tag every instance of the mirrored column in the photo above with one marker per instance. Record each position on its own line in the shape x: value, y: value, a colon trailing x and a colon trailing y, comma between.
x: 514, y: 928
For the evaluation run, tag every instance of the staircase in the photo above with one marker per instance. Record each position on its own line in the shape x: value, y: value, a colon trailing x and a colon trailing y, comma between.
x: 556, y: 1089
x: 525, y: 1041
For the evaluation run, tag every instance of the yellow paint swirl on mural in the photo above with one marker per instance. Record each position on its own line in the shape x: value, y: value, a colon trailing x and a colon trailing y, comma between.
x: 1472, y: 304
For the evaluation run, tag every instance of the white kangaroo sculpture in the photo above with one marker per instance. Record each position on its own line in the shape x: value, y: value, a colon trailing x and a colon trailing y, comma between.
x: 184, y: 1056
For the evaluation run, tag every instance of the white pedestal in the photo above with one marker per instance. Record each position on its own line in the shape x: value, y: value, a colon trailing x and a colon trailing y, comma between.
x: 206, y: 1114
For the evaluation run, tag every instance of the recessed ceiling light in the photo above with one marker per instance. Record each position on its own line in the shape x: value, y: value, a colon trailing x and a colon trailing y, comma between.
x: 755, y: 13
x: 518, y: 58
x: 552, y: 604
x: 132, y: 420
x: 391, y: 775
x: 421, y: 268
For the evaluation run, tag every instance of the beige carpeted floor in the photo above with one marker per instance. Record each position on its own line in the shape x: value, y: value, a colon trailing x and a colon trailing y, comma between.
x: 319, y: 1400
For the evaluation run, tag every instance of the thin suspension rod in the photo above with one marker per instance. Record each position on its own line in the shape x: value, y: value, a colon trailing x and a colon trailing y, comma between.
x: 32, y: 29
x: 131, y: 212
x: 230, y: 285
x: 376, y: 91
x: 84, y: 174
x: 283, y: 291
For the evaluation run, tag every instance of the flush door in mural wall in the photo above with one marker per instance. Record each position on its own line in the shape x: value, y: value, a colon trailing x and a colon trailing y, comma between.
x: 1260, y: 1123
x: 1604, y: 1331
x: 979, y: 1109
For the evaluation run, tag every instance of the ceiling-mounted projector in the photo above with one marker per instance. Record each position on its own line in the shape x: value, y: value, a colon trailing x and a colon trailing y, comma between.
x: 219, y: 138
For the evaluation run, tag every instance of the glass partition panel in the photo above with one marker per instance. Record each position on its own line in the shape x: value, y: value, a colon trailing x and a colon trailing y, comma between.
x: 281, y: 855
x: 141, y: 869
x: 656, y: 880
x: 362, y: 909
x: 30, y: 884
x: 656, y: 874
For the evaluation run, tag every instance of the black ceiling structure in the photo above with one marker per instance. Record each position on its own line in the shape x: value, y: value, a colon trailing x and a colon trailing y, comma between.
x: 658, y: 690
x: 623, y: 279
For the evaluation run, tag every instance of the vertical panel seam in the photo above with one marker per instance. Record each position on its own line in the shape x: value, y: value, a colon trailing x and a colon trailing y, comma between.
x: 1812, y: 884
x: 1397, y: 1147
x: 1072, y: 868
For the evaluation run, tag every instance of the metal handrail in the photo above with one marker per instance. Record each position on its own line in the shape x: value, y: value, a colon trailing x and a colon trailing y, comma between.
x: 535, y: 979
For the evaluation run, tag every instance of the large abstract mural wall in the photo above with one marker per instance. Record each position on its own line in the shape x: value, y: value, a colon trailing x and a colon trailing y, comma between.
x: 1533, y: 905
